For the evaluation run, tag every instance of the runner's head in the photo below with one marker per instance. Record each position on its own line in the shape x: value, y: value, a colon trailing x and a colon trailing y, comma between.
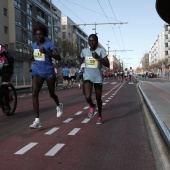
x: 40, y: 31
x: 93, y: 41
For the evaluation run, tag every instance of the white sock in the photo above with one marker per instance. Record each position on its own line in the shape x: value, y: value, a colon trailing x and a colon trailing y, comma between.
x: 37, y: 119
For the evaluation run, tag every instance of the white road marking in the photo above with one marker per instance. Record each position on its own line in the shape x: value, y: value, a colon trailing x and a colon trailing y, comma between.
x: 86, y: 107
x: 74, y: 131
x: 85, y: 120
x: 55, y: 149
x: 106, y: 100
x: 52, y: 131
x: 78, y: 113
x: 26, y: 148
x: 68, y: 120
x: 22, y: 95
x: 113, y: 83
x: 104, y: 103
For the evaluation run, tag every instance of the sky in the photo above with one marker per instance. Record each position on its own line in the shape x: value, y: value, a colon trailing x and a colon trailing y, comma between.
x: 141, y: 27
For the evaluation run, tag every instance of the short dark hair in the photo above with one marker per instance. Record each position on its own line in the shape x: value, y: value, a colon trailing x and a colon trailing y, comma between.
x: 94, y: 36
x: 41, y: 27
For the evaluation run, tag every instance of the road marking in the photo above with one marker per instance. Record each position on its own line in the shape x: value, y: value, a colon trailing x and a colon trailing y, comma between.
x: 106, y: 100
x: 78, y: 113
x: 22, y: 96
x: 113, y: 83
x: 74, y: 131
x: 104, y: 103
x: 54, y: 150
x: 68, y: 120
x: 52, y: 131
x: 85, y: 120
x: 26, y: 148
x: 86, y: 107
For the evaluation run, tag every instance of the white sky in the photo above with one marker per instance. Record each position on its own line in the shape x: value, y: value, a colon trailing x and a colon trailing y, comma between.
x: 138, y: 35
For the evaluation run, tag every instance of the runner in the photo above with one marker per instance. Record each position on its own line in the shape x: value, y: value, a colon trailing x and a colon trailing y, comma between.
x: 72, y: 72
x: 43, y: 50
x: 65, y: 77
x: 126, y: 74
x: 130, y: 75
x: 94, y: 58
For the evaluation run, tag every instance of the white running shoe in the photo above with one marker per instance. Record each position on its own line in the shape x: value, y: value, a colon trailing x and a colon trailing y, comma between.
x: 59, y: 110
x: 35, y: 125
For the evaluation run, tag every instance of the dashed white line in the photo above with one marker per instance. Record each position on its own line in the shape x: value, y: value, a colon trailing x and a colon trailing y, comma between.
x: 68, y: 120
x: 55, y: 149
x: 52, y: 131
x: 78, y: 113
x: 86, y: 107
x: 104, y: 103
x: 74, y: 131
x: 26, y: 148
x: 85, y: 120
x: 106, y: 100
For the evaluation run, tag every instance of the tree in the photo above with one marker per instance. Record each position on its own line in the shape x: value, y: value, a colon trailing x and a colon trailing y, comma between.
x: 69, y: 52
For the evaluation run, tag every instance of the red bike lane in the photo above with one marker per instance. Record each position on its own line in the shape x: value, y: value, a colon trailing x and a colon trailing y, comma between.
x: 121, y: 143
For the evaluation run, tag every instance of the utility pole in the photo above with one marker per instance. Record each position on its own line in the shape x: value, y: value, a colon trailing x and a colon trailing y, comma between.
x: 108, y: 46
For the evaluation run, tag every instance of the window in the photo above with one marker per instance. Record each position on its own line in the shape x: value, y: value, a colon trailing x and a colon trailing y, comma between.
x: 17, y: 3
x: 29, y: 8
x: 63, y: 27
x: 18, y: 34
x: 5, y: 11
x: 29, y: 23
x: 64, y: 35
x: 29, y: 38
x: 18, y: 17
x: 5, y: 29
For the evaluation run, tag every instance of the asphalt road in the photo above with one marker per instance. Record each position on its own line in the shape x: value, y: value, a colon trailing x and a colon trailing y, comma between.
x: 73, y: 141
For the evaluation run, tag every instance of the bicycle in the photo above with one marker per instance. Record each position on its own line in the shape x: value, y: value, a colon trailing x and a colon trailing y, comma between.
x: 7, y: 90
x: 12, y: 98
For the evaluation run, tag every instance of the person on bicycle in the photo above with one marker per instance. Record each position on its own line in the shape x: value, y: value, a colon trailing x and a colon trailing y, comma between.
x: 6, y: 72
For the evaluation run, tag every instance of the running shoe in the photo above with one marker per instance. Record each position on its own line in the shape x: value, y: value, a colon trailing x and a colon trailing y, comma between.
x: 59, y: 110
x: 99, y: 120
x: 35, y: 125
x: 91, y: 111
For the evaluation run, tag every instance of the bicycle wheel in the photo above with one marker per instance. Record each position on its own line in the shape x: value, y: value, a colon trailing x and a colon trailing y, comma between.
x: 12, y: 99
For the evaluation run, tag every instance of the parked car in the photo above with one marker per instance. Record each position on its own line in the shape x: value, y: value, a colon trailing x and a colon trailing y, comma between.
x: 151, y: 75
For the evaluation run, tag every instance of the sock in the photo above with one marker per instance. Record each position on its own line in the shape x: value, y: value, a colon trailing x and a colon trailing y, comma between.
x: 37, y: 119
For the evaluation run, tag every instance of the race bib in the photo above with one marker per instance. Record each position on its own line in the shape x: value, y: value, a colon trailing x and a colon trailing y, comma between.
x: 38, y: 56
x: 91, y: 62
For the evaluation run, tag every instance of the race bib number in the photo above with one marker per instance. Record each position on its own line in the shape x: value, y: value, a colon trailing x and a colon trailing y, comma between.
x: 38, y: 56
x: 91, y: 62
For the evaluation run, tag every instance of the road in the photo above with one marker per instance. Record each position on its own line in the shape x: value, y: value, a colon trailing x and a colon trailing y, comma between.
x: 73, y: 141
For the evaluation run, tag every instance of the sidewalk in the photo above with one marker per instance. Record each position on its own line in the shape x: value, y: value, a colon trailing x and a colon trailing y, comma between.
x: 157, y: 97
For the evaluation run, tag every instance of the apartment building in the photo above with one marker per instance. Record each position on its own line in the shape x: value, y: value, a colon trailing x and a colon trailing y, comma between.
x: 17, y: 19
x: 74, y: 35
x: 167, y: 42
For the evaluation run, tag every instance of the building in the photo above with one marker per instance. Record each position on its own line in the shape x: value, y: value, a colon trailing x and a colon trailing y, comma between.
x: 73, y: 36
x: 17, y: 19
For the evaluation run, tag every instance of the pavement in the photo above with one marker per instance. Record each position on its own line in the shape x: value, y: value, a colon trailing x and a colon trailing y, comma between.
x: 157, y: 97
